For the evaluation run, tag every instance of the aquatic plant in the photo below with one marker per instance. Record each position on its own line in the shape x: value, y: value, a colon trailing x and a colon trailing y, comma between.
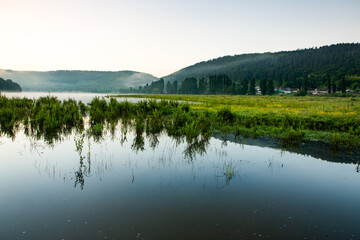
x: 98, y: 109
x: 228, y: 172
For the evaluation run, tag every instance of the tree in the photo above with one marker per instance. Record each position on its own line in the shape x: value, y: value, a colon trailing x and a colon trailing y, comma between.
x: 343, y: 85
x: 329, y: 83
x: 202, y: 89
x: 168, y: 88
x: 175, y: 87
x: 305, y: 84
x: 270, y: 87
x: 333, y: 88
x: 263, y: 86
x: 189, y: 86
x: 161, y: 85
x: 252, y: 90
x: 244, y: 86
x: 220, y: 84
x: 146, y: 88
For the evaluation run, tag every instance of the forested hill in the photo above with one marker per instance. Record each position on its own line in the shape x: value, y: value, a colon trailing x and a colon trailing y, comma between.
x: 79, y: 81
x: 287, y: 69
x: 9, y: 86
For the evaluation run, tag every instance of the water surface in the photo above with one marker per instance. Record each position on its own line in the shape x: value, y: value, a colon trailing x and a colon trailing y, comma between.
x: 118, y: 187
x: 112, y: 191
x: 78, y: 96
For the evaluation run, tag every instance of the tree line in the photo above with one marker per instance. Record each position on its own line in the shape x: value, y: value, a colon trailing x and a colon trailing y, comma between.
x: 222, y: 84
x: 214, y: 85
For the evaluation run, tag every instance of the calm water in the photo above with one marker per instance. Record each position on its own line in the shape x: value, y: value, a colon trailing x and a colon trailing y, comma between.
x: 114, y: 190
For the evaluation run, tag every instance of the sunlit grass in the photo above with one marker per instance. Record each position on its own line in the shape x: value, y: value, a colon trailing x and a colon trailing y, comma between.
x: 273, y: 104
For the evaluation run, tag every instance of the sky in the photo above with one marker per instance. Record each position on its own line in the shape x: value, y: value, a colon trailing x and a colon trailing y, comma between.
x: 163, y: 36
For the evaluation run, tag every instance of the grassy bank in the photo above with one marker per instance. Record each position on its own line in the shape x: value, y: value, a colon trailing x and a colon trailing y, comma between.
x: 334, y: 120
x: 291, y: 119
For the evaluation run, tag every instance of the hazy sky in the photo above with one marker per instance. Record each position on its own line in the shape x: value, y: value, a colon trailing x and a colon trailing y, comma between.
x: 162, y: 36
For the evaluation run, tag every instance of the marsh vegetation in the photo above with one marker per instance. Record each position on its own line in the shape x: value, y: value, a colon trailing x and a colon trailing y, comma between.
x: 292, y: 120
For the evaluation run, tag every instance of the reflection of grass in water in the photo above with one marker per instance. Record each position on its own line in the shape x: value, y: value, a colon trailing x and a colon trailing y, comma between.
x: 194, y: 147
x: 79, y: 143
x: 274, y: 164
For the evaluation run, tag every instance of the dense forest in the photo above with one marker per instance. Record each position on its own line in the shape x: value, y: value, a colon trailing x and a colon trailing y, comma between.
x: 9, y: 86
x: 215, y: 85
x: 287, y: 69
x: 79, y: 81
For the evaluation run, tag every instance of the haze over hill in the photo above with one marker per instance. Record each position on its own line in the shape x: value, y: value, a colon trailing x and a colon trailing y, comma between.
x: 285, y: 68
x: 78, y: 81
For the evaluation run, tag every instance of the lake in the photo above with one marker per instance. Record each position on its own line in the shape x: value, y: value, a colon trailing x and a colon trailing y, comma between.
x: 118, y: 188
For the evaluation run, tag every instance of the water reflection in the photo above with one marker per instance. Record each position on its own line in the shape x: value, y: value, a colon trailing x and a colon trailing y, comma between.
x: 272, y: 164
x: 183, y: 185
x: 317, y: 150
x: 84, y: 169
x: 148, y: 131
x: 144, y: 132
x: 196, y: 147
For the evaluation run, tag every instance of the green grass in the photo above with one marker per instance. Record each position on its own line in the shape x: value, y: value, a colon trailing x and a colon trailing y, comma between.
x: 335, y: 120
x: 290, y: 119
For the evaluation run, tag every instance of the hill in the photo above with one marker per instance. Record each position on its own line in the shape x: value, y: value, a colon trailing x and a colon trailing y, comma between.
x: 9, y: 86
x: 287, y: 68
x: 78, y: 81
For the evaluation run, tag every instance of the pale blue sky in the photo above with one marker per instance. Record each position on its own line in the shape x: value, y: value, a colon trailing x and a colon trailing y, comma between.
x: 158, y: 36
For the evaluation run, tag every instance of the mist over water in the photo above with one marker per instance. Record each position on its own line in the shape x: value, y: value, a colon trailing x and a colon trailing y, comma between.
x: 78, y: 81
